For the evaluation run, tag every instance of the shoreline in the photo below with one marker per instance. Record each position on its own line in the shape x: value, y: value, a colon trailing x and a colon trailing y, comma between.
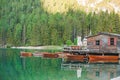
x: 38, y: 47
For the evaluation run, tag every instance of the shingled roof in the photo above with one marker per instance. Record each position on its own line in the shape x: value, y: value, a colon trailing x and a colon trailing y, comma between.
x: 105, y: 33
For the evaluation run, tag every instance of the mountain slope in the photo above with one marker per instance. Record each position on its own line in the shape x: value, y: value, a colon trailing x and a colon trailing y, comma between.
x: 85, y: 5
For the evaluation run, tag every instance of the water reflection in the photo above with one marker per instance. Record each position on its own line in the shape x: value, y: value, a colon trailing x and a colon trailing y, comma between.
x: 79, y: 70
x: 97, y: 71
x: 12, y: 67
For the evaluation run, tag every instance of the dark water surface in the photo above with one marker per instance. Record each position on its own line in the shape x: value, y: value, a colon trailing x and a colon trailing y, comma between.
x: 12, y: 67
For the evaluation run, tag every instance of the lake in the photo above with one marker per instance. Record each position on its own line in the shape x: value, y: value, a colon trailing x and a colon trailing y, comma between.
x: 12, y: 67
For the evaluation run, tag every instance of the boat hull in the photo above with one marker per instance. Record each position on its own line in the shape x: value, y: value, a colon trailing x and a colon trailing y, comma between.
x: 48, y: 55
x: 99, y: 58
x: 104, y: 61
x: 80, y: 58
x: 26, y: 54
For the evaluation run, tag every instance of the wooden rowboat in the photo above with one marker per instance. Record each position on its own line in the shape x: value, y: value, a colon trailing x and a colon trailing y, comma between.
x: 102, y: 58
x: 48, y: 55
x: 26, y: 54
x: 76, y: 58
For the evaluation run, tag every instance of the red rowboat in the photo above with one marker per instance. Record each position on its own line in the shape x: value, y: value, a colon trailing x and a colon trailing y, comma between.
x: 102, y: 58
x: 48, y: 55
x: 75, y: 58
x: 26, y: 54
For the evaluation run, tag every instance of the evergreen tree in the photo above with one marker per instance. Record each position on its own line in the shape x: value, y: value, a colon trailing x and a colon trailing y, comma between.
x: 26, y: 22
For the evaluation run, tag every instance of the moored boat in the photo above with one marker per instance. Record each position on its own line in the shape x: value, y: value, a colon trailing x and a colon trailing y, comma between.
x: 38, y: 54
x: 103, y: 58
x: 79, y: 58
x: 26, y: 54
x: 48, y: 55
x: 63, y: 55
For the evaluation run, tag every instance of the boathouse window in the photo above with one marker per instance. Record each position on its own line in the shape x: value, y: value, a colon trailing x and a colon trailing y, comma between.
x: 97, y: 73
x: 97, y: 42
x: 111, y: 41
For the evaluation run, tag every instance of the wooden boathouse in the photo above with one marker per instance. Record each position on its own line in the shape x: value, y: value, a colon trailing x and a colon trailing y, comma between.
x: 103, y: 47
x: 104, y: 42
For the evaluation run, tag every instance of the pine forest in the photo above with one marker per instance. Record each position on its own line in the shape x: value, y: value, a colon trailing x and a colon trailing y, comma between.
x: 27, y: 22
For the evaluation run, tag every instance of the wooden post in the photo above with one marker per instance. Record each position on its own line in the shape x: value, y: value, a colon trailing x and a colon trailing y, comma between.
x: 63, y: 59
x: 70, y: 65
x: 119, y: 55
x: 102, y: 54
x: 119, y: 58
x: 24, y: 35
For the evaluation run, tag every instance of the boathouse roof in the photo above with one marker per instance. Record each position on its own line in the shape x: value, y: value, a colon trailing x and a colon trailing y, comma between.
x: 105, y: 33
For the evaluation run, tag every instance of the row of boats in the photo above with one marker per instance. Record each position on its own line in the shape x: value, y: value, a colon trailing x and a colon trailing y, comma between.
x: 74, y: 58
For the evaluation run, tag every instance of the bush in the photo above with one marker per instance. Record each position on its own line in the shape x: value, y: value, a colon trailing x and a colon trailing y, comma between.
x: 69, y: 42
x: 8, y: 45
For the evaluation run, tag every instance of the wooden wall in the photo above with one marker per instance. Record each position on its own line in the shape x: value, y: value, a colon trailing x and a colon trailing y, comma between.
x: 104, y: 44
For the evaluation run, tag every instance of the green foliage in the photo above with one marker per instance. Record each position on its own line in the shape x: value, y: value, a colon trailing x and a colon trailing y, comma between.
x: 75, y: 41
x: 69, y: 42
x: 27, y: 23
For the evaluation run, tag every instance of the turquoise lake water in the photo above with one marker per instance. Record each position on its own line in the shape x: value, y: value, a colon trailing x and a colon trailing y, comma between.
x: 12, y: 67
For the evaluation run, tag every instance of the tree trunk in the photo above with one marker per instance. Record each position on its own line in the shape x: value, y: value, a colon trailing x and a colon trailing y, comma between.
x: 24, y: 35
